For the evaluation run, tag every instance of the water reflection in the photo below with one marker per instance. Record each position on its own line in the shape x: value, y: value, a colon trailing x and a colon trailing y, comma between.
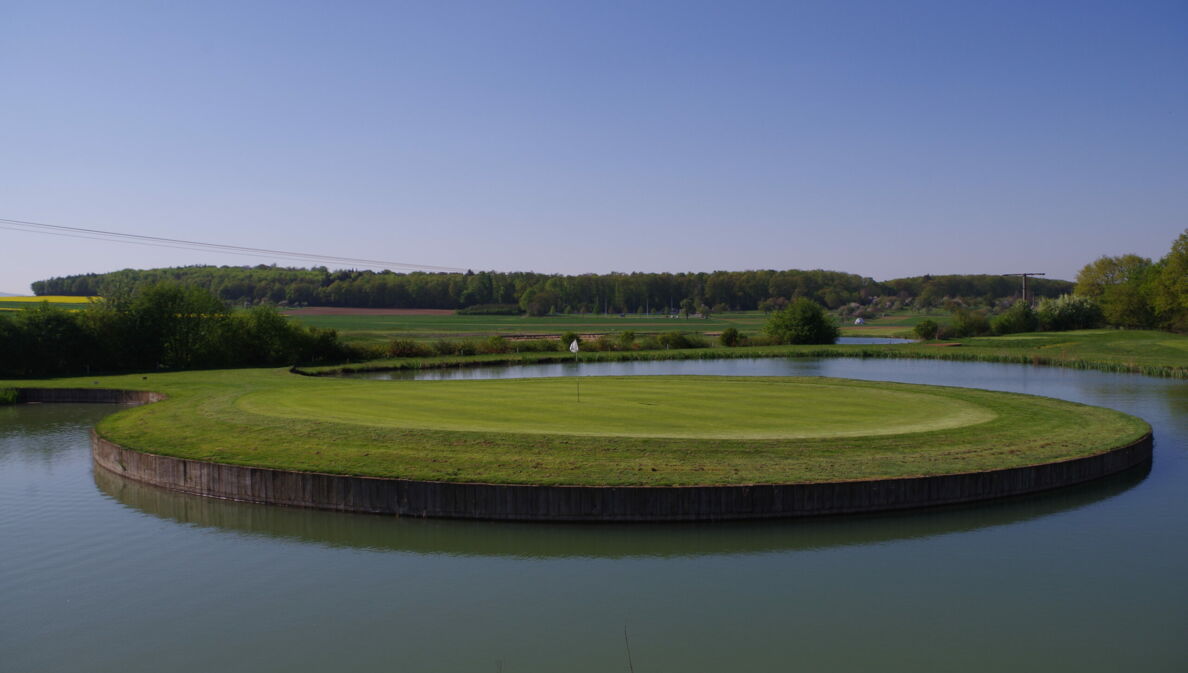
x: 543, y: 540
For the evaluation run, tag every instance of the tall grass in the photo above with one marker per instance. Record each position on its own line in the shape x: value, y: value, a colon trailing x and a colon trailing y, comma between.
x: 8, y: 395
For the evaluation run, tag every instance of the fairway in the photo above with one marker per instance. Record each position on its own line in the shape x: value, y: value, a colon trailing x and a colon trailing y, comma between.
x: 651, y: 406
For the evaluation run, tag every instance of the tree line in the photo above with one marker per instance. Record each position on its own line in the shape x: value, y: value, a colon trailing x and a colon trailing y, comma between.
x: 541, y: 294
x: 1126, y: 291
x: 1135, y: 291
x: 161, y: 326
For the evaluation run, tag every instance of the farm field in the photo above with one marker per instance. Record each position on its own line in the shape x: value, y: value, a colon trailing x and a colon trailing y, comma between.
x: 377, y: 328
x: 897, y: 324
x: 21, y: 303
x: 675, y: 430
x: 383, y: 325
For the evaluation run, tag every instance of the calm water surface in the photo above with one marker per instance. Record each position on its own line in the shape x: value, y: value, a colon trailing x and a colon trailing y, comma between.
x: 102, y: 574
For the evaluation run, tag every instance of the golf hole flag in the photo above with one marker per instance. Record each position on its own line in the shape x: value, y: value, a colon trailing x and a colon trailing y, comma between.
x: 573, y: 347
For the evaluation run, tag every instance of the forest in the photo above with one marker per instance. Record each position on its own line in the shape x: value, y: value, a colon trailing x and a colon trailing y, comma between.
x: 541, y: 294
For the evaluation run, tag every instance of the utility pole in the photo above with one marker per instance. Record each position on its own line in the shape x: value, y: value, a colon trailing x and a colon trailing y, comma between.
x: 1025, y: 275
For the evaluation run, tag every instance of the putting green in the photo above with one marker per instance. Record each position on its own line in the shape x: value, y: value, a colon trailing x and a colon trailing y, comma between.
x: 647, y: 430
x: 643, y: 406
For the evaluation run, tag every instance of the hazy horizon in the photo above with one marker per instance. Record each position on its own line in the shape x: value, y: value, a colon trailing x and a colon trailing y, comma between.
x: 883, y: 139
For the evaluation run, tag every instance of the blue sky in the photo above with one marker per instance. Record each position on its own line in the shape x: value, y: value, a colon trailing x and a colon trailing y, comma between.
x: 881, y: 138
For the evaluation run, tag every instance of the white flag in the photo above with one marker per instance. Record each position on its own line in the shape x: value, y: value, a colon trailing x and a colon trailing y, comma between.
x: 573, y: 347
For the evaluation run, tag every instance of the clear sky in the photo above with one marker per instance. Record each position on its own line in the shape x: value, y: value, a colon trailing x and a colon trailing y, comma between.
x: 880, y: 138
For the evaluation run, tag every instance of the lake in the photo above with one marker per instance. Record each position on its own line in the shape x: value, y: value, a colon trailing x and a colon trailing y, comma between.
x: 101, y: 574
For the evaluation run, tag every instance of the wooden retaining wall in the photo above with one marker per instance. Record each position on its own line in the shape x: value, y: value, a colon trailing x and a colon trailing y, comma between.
x: 592, y: 503
x: 572, y: 503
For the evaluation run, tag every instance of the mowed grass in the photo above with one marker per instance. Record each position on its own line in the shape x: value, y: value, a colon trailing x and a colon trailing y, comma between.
x: 781, y: 430
x: 650, y: 406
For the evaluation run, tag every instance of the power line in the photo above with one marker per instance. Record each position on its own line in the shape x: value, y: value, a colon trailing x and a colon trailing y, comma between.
x: 180, y: 244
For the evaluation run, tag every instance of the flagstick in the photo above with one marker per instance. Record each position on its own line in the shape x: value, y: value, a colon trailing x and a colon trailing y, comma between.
x: 577, y: 378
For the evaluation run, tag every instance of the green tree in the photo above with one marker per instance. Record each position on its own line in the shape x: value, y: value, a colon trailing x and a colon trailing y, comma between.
x: 1018, y: 318
x: 967, y: 323
x: 1121, y: 286
x: 802, y: 322
x: 1169, y: 289
x: 926, y: 330
x: 1068, y: 312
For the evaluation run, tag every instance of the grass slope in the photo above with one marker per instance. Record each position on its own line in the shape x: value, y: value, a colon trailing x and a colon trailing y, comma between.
x: 272, y: 418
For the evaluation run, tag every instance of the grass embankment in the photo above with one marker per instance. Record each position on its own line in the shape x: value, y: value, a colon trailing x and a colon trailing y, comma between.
x: 624, y: 431
x: 1130, y: 351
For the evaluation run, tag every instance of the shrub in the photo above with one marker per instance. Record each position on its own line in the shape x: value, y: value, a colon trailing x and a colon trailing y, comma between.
x: 730, y: 337
x: 570, y: 337
x: 493, y: 345
x: 1018, y: 318
x: 536, y: 346
x: 8, y: 396
x: 1068, y: 312
x: 675, y: 340
x: 967, y: 323
x: 461, y: 347
x: 626, y: 340
x: 602, y: 343
x: 650, y: 343
x: 926, y: 330
x: 802, y: 322
x: 407, y: 348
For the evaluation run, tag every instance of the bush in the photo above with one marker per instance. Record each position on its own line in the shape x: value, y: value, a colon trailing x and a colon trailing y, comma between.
x: 966, y: 323
x: 802, y: 322
x: 602, y: 343
x: 626, y: 340
x: 8, y: 395
x: 926, y: 330
x: 675, y: 340
x: 493, y: 345
x: 536, y: 346
x: 461, y: 347
x: 407, y: 348
x: 730, y: 337
x: 1068, y: 312
x: 568, y: 338
x: 1018, y: 318
x: 650, y: 343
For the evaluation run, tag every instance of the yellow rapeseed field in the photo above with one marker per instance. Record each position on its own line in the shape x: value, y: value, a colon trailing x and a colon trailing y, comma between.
x: 53, y: 299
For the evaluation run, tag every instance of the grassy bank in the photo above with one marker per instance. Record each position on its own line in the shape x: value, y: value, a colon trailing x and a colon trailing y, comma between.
x: 1129, y: 351
x: 468, y: 431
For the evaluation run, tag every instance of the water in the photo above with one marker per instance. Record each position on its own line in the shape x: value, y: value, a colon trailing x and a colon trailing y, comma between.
x: 101, y: 574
